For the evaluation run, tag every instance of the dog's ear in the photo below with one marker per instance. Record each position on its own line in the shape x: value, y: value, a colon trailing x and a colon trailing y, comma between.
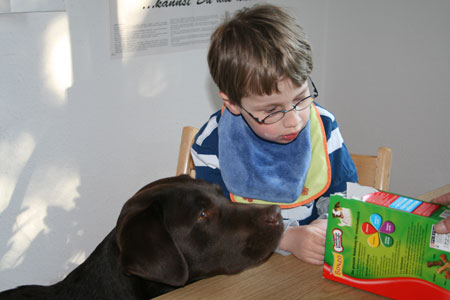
x: 146, y: 247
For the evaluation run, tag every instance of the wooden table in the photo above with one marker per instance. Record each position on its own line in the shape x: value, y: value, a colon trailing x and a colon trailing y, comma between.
x: 442, y: 192
x: 281, y: 277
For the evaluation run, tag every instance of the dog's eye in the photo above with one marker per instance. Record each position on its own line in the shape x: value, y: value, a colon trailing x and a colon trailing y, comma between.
x: 203, y: 215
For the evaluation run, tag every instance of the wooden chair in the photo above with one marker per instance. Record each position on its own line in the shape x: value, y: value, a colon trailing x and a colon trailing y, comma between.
x: 185, y: 163
x: 373, y: 170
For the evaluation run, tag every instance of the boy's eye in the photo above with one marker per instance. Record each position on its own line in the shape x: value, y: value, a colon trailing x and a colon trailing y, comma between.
x: 272, y: 109
x: 297, y: 102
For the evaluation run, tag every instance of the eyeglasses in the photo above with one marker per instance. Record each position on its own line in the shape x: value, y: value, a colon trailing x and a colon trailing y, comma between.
x: 278, y: 115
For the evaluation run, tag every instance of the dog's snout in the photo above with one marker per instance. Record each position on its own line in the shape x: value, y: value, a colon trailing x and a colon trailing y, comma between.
x: 273, y: 215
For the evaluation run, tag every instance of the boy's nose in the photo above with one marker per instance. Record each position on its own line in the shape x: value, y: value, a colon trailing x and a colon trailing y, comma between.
x: 292, y: 118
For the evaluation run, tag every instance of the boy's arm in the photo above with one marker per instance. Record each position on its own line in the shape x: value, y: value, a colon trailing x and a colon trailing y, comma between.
x: 205, y: 151
x: 307, y: 242
x: 343, y: 169
x: 212, y: 175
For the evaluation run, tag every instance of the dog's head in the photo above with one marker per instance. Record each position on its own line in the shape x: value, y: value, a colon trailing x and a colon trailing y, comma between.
x: 178, y: 229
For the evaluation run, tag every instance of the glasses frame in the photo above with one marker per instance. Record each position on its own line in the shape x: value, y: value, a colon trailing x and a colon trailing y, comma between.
x: 285, y: 111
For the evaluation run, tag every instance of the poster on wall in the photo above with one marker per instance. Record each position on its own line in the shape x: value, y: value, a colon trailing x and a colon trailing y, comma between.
x: 146, y: 27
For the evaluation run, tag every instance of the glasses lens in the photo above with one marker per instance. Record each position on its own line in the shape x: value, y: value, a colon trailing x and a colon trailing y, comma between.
x: 303, y: 104
x: 275, y: 117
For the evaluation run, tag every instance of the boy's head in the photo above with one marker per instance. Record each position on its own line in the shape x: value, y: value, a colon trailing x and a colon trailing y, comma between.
x: 257, y: 48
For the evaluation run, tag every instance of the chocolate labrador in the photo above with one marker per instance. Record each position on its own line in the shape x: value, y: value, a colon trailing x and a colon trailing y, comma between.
x: 170, y: 233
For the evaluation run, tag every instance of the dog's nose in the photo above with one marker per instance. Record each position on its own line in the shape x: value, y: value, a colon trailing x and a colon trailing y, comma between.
x: 273, y: 215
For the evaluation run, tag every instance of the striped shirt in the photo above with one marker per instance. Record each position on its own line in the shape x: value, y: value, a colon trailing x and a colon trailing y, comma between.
x: 205, y: 154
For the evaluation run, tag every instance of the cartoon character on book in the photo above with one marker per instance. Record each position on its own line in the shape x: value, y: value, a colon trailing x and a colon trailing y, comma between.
x: 344, y: 214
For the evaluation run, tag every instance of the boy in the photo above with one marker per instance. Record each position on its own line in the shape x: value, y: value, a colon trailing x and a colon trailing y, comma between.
x: 270, y: 143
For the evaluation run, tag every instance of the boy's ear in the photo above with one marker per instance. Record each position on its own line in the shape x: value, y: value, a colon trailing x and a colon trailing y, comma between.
x: 232, y: 106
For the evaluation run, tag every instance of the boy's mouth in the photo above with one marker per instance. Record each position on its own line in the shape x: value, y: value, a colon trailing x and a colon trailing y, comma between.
x: 289, y: 137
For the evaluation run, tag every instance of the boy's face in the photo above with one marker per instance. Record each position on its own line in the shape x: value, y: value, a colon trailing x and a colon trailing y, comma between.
x: 283, y: 131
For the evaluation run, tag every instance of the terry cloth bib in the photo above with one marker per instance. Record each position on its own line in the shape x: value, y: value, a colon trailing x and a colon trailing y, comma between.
x: 258, y: 168
x: 287, y: 190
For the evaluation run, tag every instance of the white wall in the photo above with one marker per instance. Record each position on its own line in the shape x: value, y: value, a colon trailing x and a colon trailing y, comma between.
x: 387, y: 78
x: 81, y: 132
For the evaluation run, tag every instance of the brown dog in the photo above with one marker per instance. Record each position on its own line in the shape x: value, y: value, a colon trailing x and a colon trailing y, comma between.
x: 172, y: 232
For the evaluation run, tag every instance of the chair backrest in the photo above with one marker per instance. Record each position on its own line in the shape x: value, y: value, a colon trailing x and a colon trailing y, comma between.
x: 185, y: 163
x: 373, y: 170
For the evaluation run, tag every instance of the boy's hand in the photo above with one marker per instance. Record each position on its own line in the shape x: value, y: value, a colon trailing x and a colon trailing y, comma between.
x: 306, y: 242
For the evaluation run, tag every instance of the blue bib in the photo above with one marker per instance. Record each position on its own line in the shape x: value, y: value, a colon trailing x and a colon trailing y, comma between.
x: 255, y: 168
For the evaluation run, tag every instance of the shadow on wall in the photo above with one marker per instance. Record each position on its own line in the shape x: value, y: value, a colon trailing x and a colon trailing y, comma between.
x: 37, y: 216
x: 38, y: 191
x: 76, y: 139
x: 58, y: 139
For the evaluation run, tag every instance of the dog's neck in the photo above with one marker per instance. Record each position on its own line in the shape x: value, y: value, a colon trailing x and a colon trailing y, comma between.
x: 103, y: 268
